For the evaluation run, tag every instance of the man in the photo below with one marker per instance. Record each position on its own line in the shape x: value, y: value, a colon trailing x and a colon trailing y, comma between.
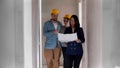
x: 52, y: 48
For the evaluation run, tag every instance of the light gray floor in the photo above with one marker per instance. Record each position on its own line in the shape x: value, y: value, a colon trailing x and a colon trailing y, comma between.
x: 44, y: 66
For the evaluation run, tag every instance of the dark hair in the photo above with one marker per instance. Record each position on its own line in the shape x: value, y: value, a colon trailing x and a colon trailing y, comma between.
x: 77, y: 25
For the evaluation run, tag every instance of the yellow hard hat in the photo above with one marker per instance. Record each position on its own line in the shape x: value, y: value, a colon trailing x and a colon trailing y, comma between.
x: 54, y: 11
x: 67, y: 16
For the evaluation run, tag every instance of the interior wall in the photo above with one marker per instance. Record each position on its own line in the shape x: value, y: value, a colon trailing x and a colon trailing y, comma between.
x: 35, y: 33
x: 64, y: 6
x: 18, y: 24
x: 111, y: 22
x: 94, y: 33
x: 84, y: 63
x: 7, y: 32
x: 11, y: 34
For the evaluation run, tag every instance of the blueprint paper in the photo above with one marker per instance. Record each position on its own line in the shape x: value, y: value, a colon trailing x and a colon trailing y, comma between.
x: 67, y: 37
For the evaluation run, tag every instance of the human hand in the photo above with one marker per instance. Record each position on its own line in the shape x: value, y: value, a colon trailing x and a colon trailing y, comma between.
x: 55, y: 31
x: 78, y: 41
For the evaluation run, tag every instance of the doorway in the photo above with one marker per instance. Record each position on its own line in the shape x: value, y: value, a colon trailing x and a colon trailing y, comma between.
x: 65, y: 7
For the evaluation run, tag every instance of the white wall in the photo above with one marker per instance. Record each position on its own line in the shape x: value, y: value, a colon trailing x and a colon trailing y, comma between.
x: 94, y: 33
x: 35, y: 33
x: 11, y: 47
x: 18, y: 21
x: 103, y: 35
x: 64, y: 6
x: 84, y: 63
x: 7, y: 32
x: 111, y: 33
x: 11, y: 33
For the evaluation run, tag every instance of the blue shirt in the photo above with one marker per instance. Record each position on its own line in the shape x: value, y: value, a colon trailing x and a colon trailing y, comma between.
x: 51, y: 38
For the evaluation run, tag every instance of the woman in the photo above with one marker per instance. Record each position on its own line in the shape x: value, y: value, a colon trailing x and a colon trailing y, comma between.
x: 74, y: 51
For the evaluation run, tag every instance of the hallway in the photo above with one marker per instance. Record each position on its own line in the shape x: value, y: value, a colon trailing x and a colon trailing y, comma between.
x: 21, y: 23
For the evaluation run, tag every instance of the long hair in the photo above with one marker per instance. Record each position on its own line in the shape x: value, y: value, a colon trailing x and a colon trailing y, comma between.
x: 77, y: 25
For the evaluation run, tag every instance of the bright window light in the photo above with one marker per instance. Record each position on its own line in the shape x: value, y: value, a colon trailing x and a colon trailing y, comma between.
x: 27, y: 34
x: 80, y: 20
x: 80, y: 13
x: 40, y: 14
x: 117, y: 66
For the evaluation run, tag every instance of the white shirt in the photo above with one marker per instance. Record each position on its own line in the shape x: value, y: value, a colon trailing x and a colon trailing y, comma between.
x: 55, y: 25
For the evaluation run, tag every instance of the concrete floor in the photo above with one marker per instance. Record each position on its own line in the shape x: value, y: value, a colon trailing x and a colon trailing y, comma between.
x: 44, y: 66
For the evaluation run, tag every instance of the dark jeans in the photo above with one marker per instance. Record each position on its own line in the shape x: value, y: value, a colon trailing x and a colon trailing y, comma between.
x: 64, y: 56
x: 72, y: 60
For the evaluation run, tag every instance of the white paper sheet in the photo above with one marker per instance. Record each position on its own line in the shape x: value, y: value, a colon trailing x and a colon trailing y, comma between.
x: 67, y: 37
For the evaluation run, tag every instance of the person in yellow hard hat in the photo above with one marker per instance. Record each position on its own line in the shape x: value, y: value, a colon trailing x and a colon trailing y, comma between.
x: 52, y: 49
x: 54, y: 14
x: 66, y: 20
